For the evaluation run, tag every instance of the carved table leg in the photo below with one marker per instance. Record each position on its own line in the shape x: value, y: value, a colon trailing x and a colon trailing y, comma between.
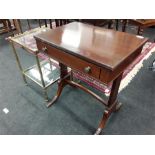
x: 61, y: 83
x: 112, y: 106
x: 103, y: 122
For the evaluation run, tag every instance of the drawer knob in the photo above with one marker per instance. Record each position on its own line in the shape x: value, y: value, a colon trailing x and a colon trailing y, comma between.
x: 44, y: 49
x: 87, y: 69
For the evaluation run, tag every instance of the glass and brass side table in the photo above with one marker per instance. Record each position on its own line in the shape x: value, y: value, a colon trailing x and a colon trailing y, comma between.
x: 44, y: 72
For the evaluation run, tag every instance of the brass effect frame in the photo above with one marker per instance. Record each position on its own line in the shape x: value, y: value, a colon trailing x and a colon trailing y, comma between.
x: 24, y: 75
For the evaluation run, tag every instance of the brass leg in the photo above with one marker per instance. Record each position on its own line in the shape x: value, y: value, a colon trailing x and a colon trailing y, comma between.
x: 45, y: 95
x: 42, y: 79
x: 118, y: 106
x: 50, y: 63
x: 113, y: 105
x: 18, y: 62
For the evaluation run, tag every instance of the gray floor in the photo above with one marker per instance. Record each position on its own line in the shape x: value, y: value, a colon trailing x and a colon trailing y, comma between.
x: 75, y: 112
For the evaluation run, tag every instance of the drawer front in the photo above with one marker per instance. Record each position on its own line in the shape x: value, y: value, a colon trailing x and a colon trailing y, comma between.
x: 70, y: 60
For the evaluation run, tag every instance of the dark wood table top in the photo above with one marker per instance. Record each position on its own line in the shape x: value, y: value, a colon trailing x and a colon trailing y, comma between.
x: 104, y: 47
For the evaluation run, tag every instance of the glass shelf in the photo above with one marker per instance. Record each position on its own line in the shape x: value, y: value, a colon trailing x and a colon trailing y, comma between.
x: 49, y: 71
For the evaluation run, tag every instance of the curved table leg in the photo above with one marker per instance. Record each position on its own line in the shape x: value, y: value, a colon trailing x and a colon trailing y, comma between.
x: 112, y: 106
x: 61, y: 85
x: 105, y: 117
x: 63, y: 76
x: 103, y: 122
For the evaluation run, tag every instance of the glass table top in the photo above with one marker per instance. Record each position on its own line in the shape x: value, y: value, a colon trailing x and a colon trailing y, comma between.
x: 27, y: 40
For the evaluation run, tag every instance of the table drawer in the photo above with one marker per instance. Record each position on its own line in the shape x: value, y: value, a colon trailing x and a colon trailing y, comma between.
x: 70, y: 60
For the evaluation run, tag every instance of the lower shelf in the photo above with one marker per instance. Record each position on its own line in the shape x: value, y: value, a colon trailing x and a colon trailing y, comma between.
x: 49, y: 71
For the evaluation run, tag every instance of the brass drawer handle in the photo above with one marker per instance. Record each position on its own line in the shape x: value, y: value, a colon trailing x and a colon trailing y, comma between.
x: 87, y: 69
x: 44, y: 49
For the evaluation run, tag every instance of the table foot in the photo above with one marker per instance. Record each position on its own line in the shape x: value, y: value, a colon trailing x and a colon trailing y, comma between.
x: 52, y: 102
x: 118, y: 106
x: 45, y: 95
x: 103, y: 121
x: 98, y: 131
x: 114, y: 108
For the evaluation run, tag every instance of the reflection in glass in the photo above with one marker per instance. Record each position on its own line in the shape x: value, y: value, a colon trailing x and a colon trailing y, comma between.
x: 50, y: 73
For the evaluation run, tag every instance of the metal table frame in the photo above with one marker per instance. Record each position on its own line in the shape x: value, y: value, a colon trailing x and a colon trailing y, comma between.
x: 34, y: 52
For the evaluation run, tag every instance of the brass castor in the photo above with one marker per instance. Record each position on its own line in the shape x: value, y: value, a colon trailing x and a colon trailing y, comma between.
x: 118, y: 106
x: 98, y: 131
